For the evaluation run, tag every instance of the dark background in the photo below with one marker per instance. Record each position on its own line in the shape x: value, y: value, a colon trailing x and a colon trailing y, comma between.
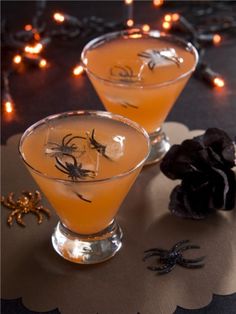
x: 38, y: 93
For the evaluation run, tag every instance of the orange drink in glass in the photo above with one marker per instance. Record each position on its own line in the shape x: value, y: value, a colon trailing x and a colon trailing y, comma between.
x: 85, y: 163
x: 140, y: 75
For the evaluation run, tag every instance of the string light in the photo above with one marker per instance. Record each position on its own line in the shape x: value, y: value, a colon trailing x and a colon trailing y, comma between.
x: 37, y: 36
x: 78, y: 70
x: 42, y: 63
x: 17, y: 59
x: 158, y: 3
x: 128, y: 2
x: 166, y: 25
x: 218, y: 82
x: 28, y: 27
x: 8, y: 106
x: 34, y: 49
x: 175, y: 17
x: 146, y: 28
x: 216, y: 39
x: 58, y: 17
x: 130, y: 22
x: 167, y: 17
x: 211, y: 77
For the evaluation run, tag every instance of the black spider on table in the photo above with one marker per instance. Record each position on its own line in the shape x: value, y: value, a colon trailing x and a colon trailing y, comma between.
x: 168, y: 259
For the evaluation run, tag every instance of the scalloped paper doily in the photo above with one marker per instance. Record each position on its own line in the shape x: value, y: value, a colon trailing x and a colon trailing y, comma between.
x: 32, y: 270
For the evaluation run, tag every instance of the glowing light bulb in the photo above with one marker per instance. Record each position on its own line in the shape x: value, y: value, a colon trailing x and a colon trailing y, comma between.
x: 146, y: 28
x: 38, y: 48
x: 78, y: 70
x: 216, y: 39
x: 17, y: 59
x: 130, y: 23
x: 167, y: 18
x: 37, y: 36
x: 158, y: 3
x: 175, y: 17
x: 128, y: 1
x: 34, y: 49
x: 42, y: 63
x: 218, y: 82
x: 8, y: 106
x: 166, y: 25
x: 28, y: 27
x: 58, y: 17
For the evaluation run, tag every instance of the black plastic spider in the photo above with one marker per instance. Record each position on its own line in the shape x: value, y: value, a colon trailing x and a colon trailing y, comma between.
x: 73, y: 169
x: 66, y: 147
x: 163, y: 53
x: 98, y: 146
x: 168, y: 259
x: 123, y: 73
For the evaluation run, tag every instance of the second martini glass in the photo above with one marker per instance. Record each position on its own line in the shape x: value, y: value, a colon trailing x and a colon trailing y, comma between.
x: 140, y: 75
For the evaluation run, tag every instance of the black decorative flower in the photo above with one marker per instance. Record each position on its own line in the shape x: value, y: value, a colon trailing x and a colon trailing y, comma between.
x: 204, y: 164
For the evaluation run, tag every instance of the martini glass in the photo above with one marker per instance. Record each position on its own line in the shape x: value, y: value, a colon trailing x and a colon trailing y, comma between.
x: 140, y: 75
x: 85, y: 164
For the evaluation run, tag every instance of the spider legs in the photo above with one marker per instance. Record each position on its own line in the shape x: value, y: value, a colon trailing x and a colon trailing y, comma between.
x: 164, y: 269
x: 169, y: 258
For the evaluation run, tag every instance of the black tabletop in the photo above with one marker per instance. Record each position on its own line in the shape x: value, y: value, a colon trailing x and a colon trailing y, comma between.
x: 38, y: 93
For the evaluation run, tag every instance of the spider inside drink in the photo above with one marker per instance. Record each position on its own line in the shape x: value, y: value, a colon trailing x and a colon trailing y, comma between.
x: 140, y: 75
x: 85, y: 164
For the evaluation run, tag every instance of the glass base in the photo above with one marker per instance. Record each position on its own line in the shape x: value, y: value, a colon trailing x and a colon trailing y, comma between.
x: 159, y: 147
x: 87, y: 249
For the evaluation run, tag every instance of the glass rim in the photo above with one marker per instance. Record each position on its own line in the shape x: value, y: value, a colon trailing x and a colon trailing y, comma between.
x: 99, y: 113
x: 149, y: 33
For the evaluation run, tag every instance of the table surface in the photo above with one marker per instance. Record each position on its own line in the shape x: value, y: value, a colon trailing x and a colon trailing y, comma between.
x: 39, y: 93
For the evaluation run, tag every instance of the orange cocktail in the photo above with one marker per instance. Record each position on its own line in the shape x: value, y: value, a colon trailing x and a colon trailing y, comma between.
x: 140, y: 75
x: 85, y: 164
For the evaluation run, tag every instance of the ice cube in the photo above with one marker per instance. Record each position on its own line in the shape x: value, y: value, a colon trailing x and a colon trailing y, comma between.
x: 59, y: 142
x: 115, y: 149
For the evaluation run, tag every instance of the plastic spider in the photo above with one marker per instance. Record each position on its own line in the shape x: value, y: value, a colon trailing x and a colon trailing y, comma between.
x: 27, y: 203
x: 96, y: 145
x: 168, y: 259
x: 66, y: 147
x: 73, y: 169
x: 123, y: 73
x: 153, y: 56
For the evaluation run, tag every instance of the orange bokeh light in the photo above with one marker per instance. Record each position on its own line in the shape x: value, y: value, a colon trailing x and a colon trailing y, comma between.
x: 175, y: 17
x: 42, y: 63
x: 167, y: 17
x: 219, y: 82
x: 8, y: 107
x: 78, y: 70
x: 216, y: 39
x: 166, y: 25
x: 28, y: 27
x: 17, y: 59
x: 128, y: 1
x: 158, y: 3
x: 58, y: 17
x: 130, y: 22
x: 34, y: 49
x: 146, y: 28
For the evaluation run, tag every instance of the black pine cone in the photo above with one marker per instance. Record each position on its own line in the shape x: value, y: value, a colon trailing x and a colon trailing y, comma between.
x: 204, y: 164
